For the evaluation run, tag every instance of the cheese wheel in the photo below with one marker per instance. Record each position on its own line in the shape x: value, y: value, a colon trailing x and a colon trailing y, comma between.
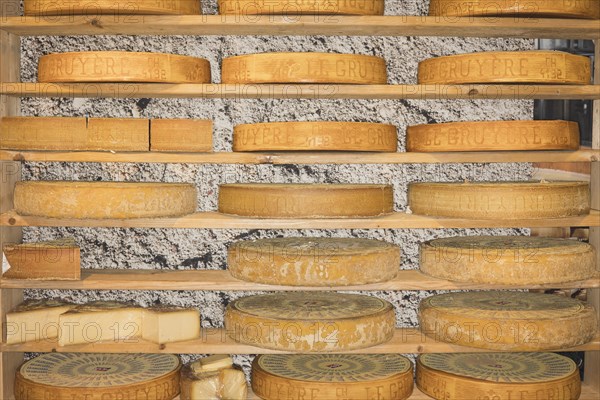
x: 502, y: 376
x: 509, y: 8
x: 122, y: 66
x: 99, y: 200
x: 493, y: 136
x: 508, y: 321
x: 47, y: 260
x: 332, y: 376
x: 305, y: 261
x: 500, y: 200
x: 310, y: 322
x: 315, y: 136
x: 181, y: 135
x: 110, y: 7
x: 305, y: 68
x: 65, y: 376
x: 508, y: 260
x: 302, y: 7
x: 536, y: 66
x: 305, y: 200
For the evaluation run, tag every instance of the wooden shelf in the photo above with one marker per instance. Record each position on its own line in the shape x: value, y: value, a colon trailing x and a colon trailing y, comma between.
x: 301, y: 91
x: 223, y: 281
x: 397, y: 25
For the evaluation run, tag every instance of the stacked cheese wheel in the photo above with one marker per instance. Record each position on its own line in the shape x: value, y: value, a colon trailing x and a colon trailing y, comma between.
x: 511, y: 8
x: 295, y: 7
x: 110, y: 7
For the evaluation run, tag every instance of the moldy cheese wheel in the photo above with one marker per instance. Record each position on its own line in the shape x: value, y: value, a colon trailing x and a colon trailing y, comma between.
x: 310, y: 322
x: 585, y: 9
x: 498, y: 376
x: 500, y: 200
x: 122, y: 66
x: 305, y: 68
x: 536, y: 66
x: 110, y: 7
x: 508, y: 321
x: 304, y: 261
x: 300, y: 7
x: 98, y: 200
x: 332, y: 376
x: 305, y: 200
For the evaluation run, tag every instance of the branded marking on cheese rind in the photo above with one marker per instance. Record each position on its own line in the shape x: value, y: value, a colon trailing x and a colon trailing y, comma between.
x: 111, y: 7
x: 585, y: 9
x: 300, y: 7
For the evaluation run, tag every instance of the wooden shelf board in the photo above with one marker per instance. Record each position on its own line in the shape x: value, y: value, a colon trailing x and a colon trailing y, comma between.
x: 394, y: 25
x: 301, y: 91
x: 223, y: 281
x: 582, y: 155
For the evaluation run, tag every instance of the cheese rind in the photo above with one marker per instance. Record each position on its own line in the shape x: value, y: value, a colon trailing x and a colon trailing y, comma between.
x: 181, y: 135
x: 35, y: 320
x: 48, y: 260
x: 296, y: 7
x: 110, y: 7
x: 511, y: 8
x: 305, y: 261
x: 223, y: 384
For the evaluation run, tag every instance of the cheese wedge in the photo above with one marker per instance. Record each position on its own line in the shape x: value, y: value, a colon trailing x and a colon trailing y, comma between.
x: 511, y: 8
x: 296, y: 7
x: 35, y: 320
x: 48, y: 260
x: 181, y: 135
x: 223, y: 384
x: 234, y: 385
x: 111, y: 7
x: 211, y: 363
x: 170, y: 324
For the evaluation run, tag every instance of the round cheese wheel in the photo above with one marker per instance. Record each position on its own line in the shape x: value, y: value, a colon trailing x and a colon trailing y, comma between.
x: 310, y: 322
x: 508, y: 260
x: 315, y: 136
x: 510, y: 8
x: 304, y: 68
x: 299, y: 7
x: 536, y: 66
x: 122, y: 66
x: 505, y: 376
x: 110, y: 7
x: 303, y: 261
x: 508, y: 321
x: 305, y: 200
x: 500, y: 200
x: 332, y: 376
x: 493, y: 136
x: 63, y: 376
x: 97, y: 200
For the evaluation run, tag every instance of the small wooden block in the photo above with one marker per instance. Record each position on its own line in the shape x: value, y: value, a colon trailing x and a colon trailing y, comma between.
x: 585, y: 9
x: 181, y: 135
x: 111, y: 7
x: 304, y: 68
x: 122, y: 66
x: 493, y: 136
x: 315, y: 136
x: 51, y: 260
x: 295, y: 7
x: 537, y: 66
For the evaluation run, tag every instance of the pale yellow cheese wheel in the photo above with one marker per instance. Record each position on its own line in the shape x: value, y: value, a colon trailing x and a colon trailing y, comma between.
x: 305, y: 200
x: 508, y: 260
x: 493, y: 136
x: 586, y: 9
x: 122, y: 66
x: 536, y: 66
x: 181, y: 135
x: 306, y: 261
x: 315, y: 136
x: 110, y: 7
x: 99, y: 200
x: 500, y: 200
x: 508, y: 321
x: 332, y: 376
x: 310, y: 322
x: 304, y: 68
x: 299, y: 7
x: 459, y: 376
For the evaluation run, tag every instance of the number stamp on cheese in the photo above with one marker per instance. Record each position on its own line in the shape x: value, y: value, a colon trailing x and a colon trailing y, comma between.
x: 305, y: 68
x: 585, y: 9
x: 302, y: 7
x: 310, y: 322
x: 181, y: 135
x: 508, y: 321
x: 111, y: 7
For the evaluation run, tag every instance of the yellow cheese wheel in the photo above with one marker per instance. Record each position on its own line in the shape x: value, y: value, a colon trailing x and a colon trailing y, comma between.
x: 299, y: 7
x: 503, y: 376
x: 305, y: 200
x: 122, y: 66
x: 66, y: 376
x: 536, y: 66
x: 493, y: 136
x: 508, y: 321
x: 304, y: 68
x: 321, y: 136
x: 66, y: 199
x: 47, y: 260
x: 310, y: 322
x: 303, y: 261
x: 181, y: 135
x: 500, y: 200
x: 110, y: 7
x: 509, y: 8
x: 332, y: 376
x: 508, y: 260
